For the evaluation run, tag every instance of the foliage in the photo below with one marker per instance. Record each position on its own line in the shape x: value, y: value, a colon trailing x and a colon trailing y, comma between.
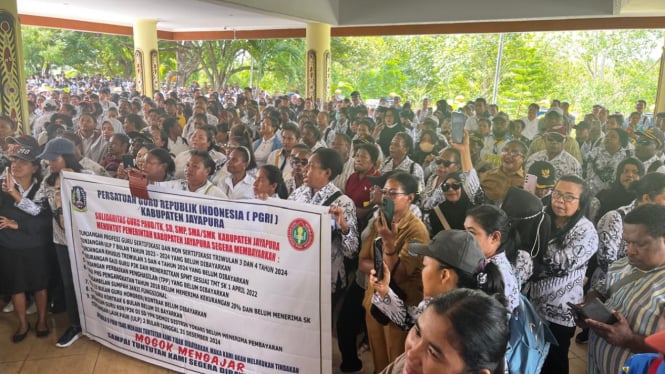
x: 615, y: 68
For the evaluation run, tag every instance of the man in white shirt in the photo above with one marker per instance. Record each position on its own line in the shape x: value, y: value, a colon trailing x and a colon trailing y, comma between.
x: 531, y: 121
x: 564, y: 163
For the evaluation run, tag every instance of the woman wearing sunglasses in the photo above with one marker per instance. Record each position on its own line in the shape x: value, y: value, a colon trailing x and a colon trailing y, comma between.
x: 450, y: 214
x: 458, y: 192
x: 448, y: 161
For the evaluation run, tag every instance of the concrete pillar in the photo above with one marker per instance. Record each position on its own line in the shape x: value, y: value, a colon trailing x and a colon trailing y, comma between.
x: 146, y: 56
x: 317, y: 62
x: 660, y: 90
x: 13, y: 99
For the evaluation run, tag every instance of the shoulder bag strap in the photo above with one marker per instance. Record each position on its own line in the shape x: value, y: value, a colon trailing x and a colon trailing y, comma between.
x: 332, y: 198
x: 442, y: 218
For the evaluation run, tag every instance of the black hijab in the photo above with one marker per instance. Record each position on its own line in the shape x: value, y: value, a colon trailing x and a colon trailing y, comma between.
x: 455, y: 212
x: 617, y: 196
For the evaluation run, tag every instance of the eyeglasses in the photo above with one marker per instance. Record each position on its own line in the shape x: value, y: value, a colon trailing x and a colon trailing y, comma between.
x: 445, y: 163
x: 299, y: 161
x: 393, y: 193
x: 511, y: 152
x: 567, y: 198
x: 455, y: 186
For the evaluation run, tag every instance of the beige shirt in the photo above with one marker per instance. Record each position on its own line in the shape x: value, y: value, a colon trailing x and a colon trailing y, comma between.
x: 410, y: 229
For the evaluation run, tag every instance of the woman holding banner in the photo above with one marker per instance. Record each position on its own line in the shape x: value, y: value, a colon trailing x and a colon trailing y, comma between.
x: 25, y: 240
x: 60, y: 154
x: 199, y: 168
x: 321, y: 169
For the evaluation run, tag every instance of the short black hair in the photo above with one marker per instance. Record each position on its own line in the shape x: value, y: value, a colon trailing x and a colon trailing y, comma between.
x: 330, y: 159
x: 371, y: 149
x: 651, y: 216
x: 205, y: 157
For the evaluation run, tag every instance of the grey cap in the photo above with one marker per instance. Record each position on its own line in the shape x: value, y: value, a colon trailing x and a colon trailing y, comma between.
x: 455, y: 248
x: 57, y: 147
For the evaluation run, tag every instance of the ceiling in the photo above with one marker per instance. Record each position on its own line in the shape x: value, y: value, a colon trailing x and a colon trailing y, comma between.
x: 219, y: 15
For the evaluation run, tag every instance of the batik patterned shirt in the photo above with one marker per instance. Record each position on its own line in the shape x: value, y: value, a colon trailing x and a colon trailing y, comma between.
x: 343, y: 245
x: 560, y: 279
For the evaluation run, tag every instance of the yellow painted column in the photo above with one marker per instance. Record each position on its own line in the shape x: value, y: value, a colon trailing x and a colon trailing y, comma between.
x: 660, y: 90
x: 317, y: 65
x: 13, y: 97
x: 146, y: 56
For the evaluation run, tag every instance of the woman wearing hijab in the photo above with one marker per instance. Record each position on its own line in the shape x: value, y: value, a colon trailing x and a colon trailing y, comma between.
x: 451, y: 213
x: 619, y: 194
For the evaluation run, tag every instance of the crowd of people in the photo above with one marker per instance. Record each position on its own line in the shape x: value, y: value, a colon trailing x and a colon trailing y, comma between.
x: 469, y: 226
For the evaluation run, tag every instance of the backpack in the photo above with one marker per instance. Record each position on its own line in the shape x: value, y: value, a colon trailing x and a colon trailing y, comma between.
x: 530, y: 339
x: 644, y: 363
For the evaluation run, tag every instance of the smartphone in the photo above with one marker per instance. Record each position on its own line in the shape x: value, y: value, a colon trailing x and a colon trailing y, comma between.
x: 378, y: 258
x: 457, y: 127
x: 128, y: 161
x: 388, y: 209
x: 594, y: 310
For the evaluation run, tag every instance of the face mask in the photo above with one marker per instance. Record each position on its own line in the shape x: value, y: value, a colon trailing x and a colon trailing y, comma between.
x: 338, y: 116
x: 426, y: 147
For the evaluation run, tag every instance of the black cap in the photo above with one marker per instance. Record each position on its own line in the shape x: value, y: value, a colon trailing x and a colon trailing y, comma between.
x: 545, y: 173
x: 26, y: 152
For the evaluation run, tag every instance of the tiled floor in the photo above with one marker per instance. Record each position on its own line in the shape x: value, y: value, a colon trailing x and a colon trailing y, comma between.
x: 41, y: 356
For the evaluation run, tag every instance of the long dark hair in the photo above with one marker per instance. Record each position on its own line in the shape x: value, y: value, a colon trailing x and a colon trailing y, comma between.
x: 70, y: 162
x: 487, y: 279
x: 493, y: 219
x: 275, y: 176
x: 479, y: 321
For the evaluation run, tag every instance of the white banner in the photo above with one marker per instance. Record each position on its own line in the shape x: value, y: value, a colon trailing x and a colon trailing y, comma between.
x: 200, y: 284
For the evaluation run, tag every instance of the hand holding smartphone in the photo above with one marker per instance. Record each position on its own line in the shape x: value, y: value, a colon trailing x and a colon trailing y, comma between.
x: 128, y: 161
x: 388, y: 209
x: 594, y: 310
x: 9, y: 180
x: 378, y: 258
x: 457, y: 127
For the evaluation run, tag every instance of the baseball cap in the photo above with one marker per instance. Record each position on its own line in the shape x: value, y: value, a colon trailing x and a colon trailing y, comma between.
x: 455, y: 248
x: 57, y: 147
x: 545, y: 173
x: 23, y: 140
x: 653, y: 133
x: 25, y: 152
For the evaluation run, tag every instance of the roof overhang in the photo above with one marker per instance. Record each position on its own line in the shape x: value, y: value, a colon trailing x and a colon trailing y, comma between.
x: 254, y: 19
